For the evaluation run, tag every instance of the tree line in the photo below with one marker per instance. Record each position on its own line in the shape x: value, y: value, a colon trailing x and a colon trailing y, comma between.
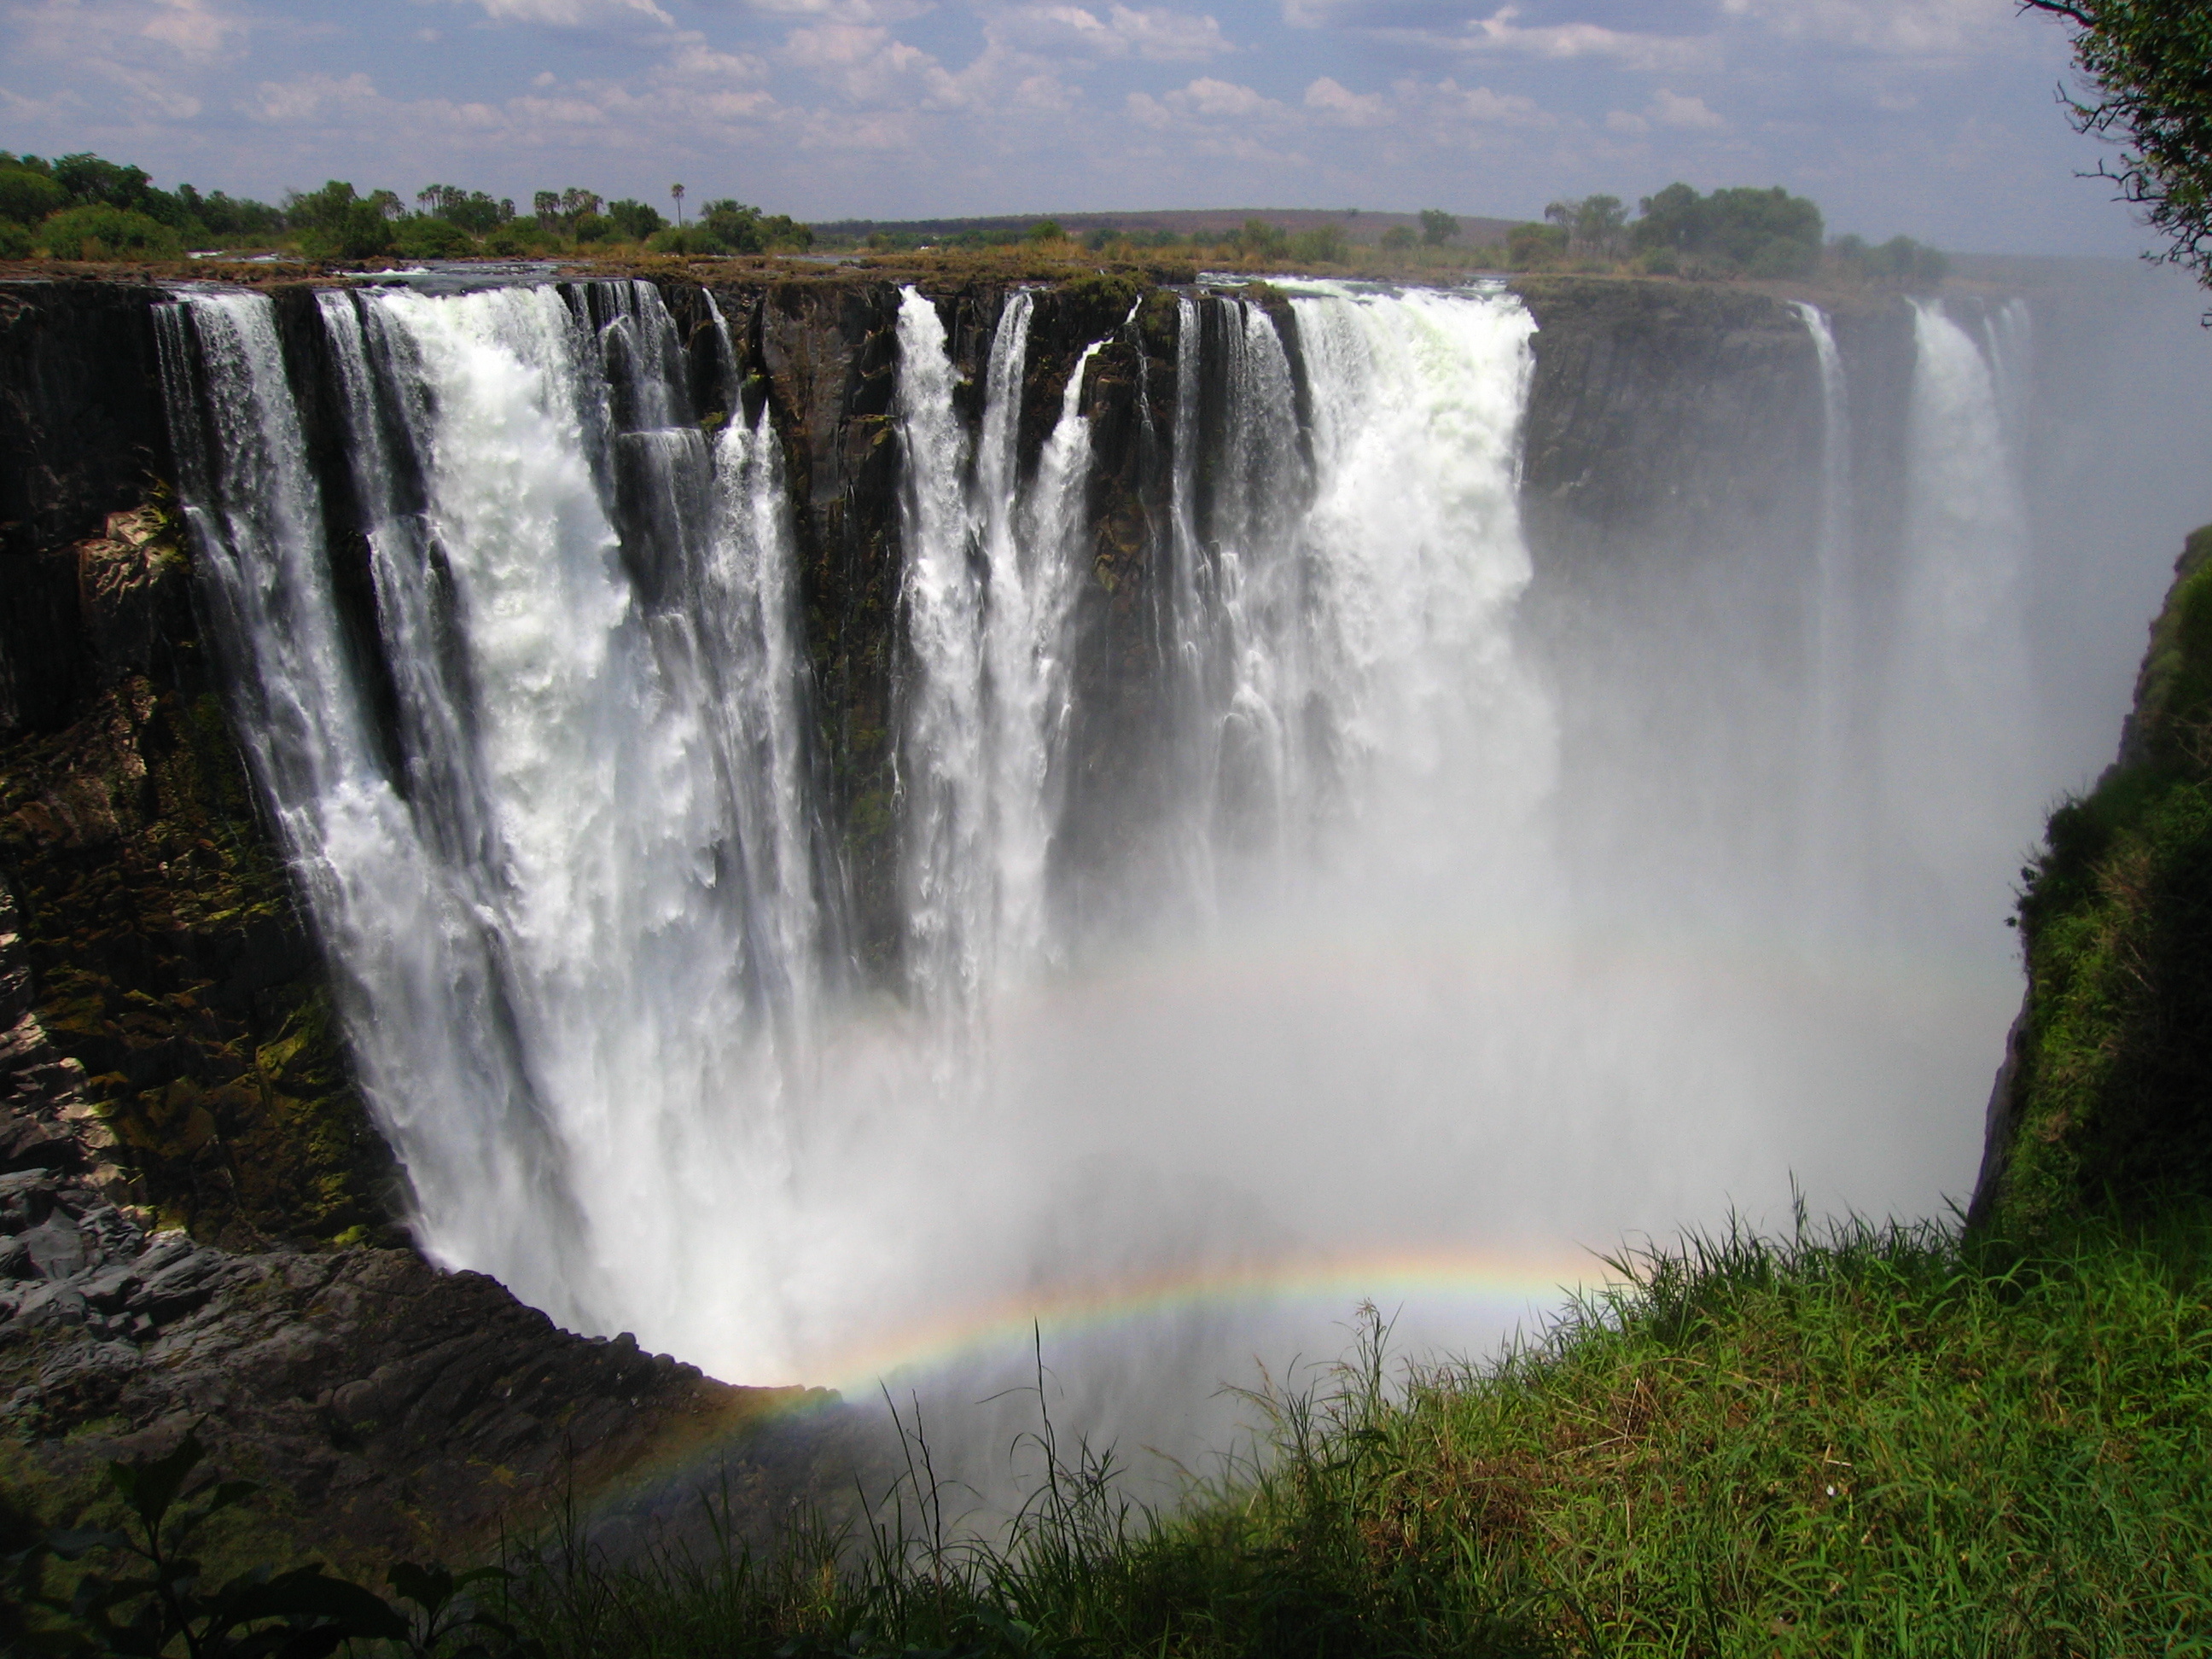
x: 85, y: 206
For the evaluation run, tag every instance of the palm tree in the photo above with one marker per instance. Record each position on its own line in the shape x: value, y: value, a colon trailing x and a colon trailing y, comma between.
x: 676, y: 191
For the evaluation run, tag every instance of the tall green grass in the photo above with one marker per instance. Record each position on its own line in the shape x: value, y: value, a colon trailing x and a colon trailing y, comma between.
x: 1870, y: 1440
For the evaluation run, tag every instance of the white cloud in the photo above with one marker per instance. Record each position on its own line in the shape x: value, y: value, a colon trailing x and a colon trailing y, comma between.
x: 1621, y: 121
x: 1333, y: 102
x: 1210, y: 100
x: 1904, y: 27
x: 1150, y: 32
x: 1455, y: 104
x: 82, y: 30
x: 573, y: 13
x: 1671, y: 110
x: 191, y: 27
x: 1501, y: 34
x: 307, y: 97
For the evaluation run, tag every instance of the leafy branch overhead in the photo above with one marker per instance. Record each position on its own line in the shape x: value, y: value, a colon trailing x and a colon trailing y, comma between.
x: 2149, y: 66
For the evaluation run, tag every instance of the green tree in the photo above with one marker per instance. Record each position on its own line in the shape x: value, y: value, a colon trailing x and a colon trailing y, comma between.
x: 1533, y: 246
x: 27, y: 195
x: 2149, y: 66
x: 1399, y: 238
x: 1324, y: 245
x: 341, y: 223
x: 634, y: 221
x: 1437, y: 226
x: 1764, y: 233
x: 1046, y: 230
x: 1258, y: 239
x: 96, y: 231
x: 472, y: 209
x: 1596, y: 226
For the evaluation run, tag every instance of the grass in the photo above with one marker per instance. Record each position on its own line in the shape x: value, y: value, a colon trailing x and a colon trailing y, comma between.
x: 1879, y: 1440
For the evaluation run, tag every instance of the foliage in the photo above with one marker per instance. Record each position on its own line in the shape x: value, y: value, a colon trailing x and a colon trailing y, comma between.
x: 2150, y: 65
x: 226, y: 215
x: 340, y: 224
x: 424, y: 236
x: 634, y: 221
x: 1596, y: 226
x: 472, y: 209
x: 561, y: 211
x: 108, y: 233
x: 1758, y: 233
x: 1898, y: 263
x: 1046, y: 230
x: 2110, y: 1088
x: 1326, y: 244
x: 1399, y: 238
x: 731, y: 227
x: 1437, y: 226
x: 1531, y: 247
x: 1258, y: 239
x: 163, y: 1599
x: 1873, y: 1440
x: 27, y: 195
x: 17, y: 241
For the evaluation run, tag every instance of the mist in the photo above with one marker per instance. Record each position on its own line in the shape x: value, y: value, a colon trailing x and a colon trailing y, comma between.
x: 1512, y: 870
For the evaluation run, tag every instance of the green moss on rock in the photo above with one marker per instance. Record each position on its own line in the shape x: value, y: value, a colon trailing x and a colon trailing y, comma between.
x: 168, y: 956
x: 2111, y: 1106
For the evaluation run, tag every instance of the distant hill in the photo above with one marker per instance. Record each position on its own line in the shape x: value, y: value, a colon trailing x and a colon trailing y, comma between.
x: 1362, y: 226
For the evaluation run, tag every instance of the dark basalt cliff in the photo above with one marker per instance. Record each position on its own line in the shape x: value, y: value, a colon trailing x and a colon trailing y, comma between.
x: 198, y: 1216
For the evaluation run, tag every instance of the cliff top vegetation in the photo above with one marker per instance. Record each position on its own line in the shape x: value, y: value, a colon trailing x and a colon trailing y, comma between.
x: 83, y: 208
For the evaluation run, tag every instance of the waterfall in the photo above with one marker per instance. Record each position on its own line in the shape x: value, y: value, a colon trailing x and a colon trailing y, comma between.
x: 1832, y: 650
x: 579, y: 926
x: 1959, y: 707
x: 555, y: 798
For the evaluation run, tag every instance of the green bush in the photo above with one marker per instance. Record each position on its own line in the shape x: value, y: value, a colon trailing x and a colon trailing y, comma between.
x: 1324, y: 245
x: 518, y: 239
x: 422, y: 236
x: 17, y: 241
x: 1534, y: 247
x: 27, y: 196
x: 1767, y: 232
x: 634, y: 221
x: 108, y: 233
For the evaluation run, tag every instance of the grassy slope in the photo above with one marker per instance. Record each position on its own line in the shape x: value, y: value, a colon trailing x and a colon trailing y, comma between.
x: 1872, y: 1443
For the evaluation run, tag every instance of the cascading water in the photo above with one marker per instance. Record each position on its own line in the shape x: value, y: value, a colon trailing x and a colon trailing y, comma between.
x: 555, y: 808
x: 1960, y: 702
x: 1829, y: 861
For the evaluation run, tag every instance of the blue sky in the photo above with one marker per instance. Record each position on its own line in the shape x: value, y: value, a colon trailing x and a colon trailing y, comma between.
x: 1935, y: 118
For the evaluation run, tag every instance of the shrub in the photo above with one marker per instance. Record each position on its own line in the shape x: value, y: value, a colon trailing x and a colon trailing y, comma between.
x: 423, y: 237
x: 1533, y: 248
x: 1046, y: 230
x: 472, y: 209
x: 1324, y: 245
x: 108, y: 233
x: 1437, y: 226
x: 634, y: 221
x: 1769, y: 233
x: 517, y: 239
x: 15, y: 240
x: 1399, y: 238
x: 27, y: 196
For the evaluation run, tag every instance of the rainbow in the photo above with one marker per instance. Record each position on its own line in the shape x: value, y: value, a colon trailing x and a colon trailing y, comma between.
x: 1505, y: 1286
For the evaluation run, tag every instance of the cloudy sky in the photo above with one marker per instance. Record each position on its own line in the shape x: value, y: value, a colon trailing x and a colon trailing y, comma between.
x: 1931, y: 117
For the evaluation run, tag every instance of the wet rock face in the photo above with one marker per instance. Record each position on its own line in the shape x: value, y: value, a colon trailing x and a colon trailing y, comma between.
x: 83, y: 433
x: 390, y: 1407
